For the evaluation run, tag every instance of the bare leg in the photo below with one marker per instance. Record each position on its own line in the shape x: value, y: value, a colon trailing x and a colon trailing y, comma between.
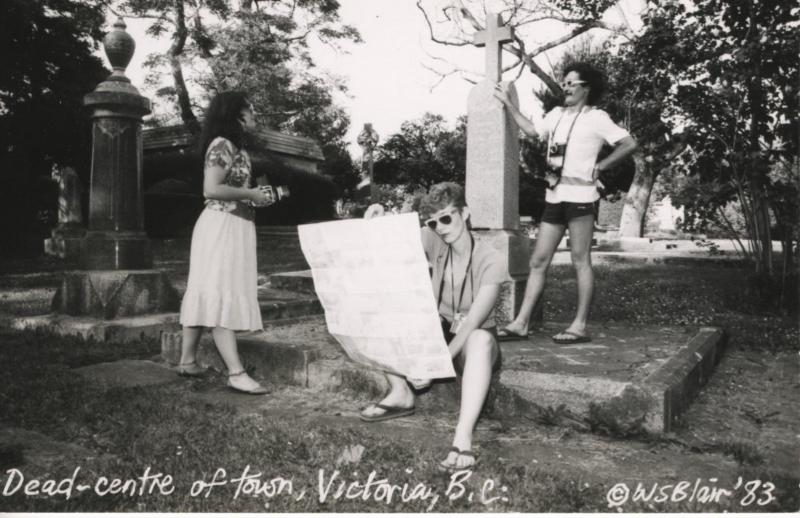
x: 546, y: 243
x: 225, y: 340
x: 400, y: 396
x: 191, y: 337
x: 580, y: 238
x: 479, y: 352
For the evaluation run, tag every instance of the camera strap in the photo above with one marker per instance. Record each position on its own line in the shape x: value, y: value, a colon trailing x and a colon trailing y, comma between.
x: 467, y: 271
x: 569, y: 133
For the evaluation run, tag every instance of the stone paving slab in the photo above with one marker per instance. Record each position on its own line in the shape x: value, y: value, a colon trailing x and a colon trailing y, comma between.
x: 129, y: 373
x: 628, y: 379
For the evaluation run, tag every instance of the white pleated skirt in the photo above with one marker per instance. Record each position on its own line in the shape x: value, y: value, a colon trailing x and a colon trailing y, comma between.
x: 222, y: 290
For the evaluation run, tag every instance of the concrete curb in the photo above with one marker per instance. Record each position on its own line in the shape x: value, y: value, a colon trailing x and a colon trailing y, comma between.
x: 676, y: 382
x: 656, y: 404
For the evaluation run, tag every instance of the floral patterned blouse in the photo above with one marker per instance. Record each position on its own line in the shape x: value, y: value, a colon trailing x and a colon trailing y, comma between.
x: 236, y: 162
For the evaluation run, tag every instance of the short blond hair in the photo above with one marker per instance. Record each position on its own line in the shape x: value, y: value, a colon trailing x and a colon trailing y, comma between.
x: 441, y: 196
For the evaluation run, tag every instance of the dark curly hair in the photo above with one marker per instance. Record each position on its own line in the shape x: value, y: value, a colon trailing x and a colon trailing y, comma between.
x: 593, y: 77
x: 440, y: 196
x: 222, y: 119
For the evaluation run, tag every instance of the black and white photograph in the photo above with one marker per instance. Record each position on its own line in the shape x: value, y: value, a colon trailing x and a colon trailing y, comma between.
x: 399, y: 256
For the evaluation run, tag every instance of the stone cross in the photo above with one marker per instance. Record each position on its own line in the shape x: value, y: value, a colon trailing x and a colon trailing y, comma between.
x: 492, y: 141
x: 492, y: 186
x: 493, y: 38
x: 368, y: 140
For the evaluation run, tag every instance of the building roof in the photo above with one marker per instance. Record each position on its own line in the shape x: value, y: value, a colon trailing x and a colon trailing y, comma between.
x: 179, y: 137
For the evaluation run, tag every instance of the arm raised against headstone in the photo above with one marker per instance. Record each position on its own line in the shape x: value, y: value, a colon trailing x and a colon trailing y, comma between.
x: 526, y: 125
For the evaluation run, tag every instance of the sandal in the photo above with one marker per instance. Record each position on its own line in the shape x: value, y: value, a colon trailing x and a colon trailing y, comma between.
x: 190, y: 370
x: 506, y: 335
x: 389, y: 412
x: 257, y: 390
x: 571, y: 338
x: 451, y: 467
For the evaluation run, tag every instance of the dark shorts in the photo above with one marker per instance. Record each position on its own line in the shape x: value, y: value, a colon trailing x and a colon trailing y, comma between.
x: 458, y: 361
x: 562, y: 213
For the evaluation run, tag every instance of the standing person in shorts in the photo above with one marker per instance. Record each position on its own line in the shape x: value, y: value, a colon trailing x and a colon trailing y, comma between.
x: 575, y: 134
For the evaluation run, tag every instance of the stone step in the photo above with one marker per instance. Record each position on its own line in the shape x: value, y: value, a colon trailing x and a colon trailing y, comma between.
x: 289, y: 309
x: 626, y: 381
x: 299, y: 281
x: 302, y: 354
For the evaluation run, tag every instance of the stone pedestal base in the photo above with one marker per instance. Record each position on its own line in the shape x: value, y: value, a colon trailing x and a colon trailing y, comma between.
x: 515, y: 246
x: 114, y: 294
x: 103, y: 250
x: 65, y: 242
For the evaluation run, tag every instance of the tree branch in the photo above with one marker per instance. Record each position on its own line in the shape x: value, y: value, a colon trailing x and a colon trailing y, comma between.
x: 432, y: 35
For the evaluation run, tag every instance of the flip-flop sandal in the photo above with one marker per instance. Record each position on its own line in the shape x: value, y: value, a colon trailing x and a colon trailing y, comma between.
x: 573, y: 338
x: 445, y: 466
x: 504, y: 335
x: 190, y: 370
x: 390, y: 412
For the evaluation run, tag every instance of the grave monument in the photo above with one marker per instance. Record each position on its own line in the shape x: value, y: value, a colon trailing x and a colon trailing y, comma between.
x: 65, y: 240
x: 117, y: 278
x: 368, y: 140
x: 492, y: 186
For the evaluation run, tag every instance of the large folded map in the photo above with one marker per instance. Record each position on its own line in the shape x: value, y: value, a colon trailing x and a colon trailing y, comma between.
x: 372, y: 279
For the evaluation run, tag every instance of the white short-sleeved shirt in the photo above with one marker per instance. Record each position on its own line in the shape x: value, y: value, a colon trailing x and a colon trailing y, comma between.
x: 592, y: 129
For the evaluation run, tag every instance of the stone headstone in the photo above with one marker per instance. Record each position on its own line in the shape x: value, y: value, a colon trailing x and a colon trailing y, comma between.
x: 492, y: 141
x: 69, y: 196
x: 492, y: 187
x: 65, y: 240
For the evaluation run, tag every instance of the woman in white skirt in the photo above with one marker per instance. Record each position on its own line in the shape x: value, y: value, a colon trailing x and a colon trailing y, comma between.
x: 222, y: 289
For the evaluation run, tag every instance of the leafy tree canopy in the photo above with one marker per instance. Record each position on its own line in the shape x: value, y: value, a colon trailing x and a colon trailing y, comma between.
x: 48, y: 66
x: 423, y: 152
x: 260, y: 48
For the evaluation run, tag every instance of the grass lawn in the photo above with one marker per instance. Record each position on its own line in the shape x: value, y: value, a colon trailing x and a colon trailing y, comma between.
x: 170, y: 429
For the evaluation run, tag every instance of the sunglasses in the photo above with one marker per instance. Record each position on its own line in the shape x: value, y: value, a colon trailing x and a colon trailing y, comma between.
x: 570, y: 84
x: 444, y: 220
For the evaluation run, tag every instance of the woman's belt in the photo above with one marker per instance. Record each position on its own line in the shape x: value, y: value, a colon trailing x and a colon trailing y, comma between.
x: 241, y: 209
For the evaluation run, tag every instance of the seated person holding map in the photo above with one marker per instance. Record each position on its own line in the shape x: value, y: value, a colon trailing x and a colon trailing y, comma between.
x: 466, y: 276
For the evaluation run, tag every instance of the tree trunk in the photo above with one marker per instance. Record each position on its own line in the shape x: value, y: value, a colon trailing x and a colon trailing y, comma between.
x: 175, y: 52
x: 758, y: 167
x: 631, y: 223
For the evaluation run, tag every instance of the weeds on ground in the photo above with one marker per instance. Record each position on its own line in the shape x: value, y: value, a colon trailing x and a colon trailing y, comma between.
x: 168, y: 429
x: 677, y: 295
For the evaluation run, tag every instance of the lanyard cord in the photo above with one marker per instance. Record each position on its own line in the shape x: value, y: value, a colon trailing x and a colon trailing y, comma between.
x: 569, y: 133
x: 452, y: 280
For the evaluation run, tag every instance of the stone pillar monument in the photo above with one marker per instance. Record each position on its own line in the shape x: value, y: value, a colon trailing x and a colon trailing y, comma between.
x: 492, y: 186
x: 115, y: 253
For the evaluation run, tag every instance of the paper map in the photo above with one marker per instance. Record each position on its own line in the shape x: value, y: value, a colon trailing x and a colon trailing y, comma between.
x: 372, y: 279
